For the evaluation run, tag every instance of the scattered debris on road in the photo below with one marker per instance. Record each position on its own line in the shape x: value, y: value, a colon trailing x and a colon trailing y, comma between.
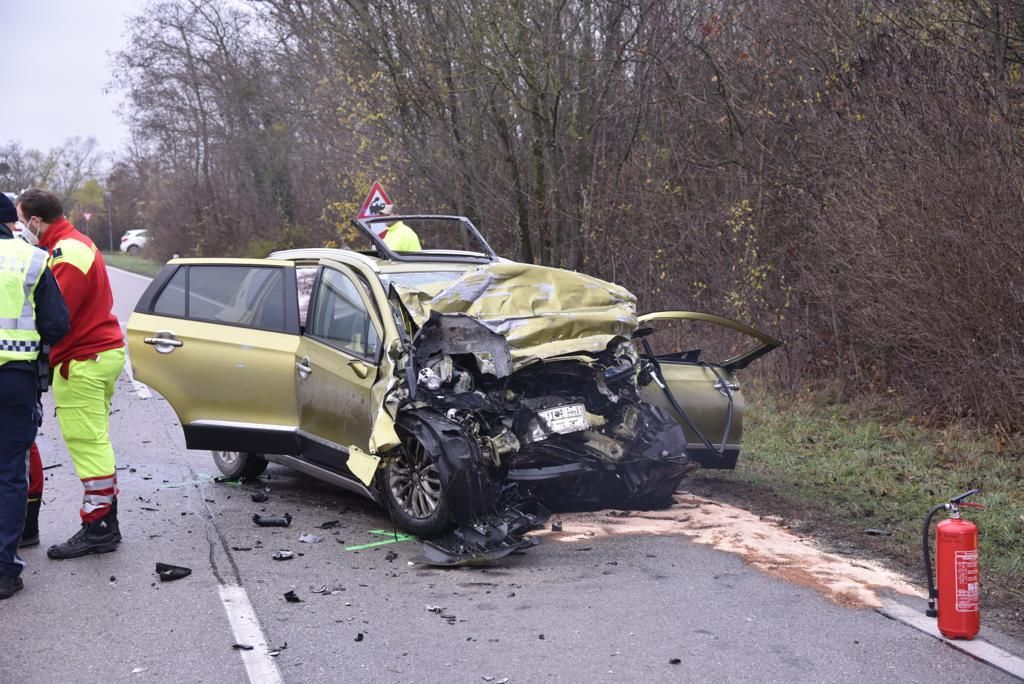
x: 283, y: 554
x: 261, y: 496
x: 310, y: 539
x: 292, y: 597
x: 272, y: 520
x: 169, y: 573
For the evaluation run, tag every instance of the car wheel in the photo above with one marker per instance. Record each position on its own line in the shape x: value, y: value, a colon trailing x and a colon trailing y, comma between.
x: 235, y: 464
x: 133, y: 250
x: 412, y: 488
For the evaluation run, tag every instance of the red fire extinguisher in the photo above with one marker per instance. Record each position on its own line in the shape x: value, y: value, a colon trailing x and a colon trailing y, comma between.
x: 956, y: 568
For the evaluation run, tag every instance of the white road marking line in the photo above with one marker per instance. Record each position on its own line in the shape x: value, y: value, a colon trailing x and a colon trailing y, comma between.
x: 259, y: 664
x: 982, y: 650
x: 141, y: 390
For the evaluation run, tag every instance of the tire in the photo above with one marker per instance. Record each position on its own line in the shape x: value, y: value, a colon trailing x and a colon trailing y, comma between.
x: 236, y: 464
x: 412, y: 490
x: 133, y: 250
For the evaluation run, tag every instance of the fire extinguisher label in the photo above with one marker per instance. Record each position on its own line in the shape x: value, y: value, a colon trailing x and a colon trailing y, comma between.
x: 967, y: 590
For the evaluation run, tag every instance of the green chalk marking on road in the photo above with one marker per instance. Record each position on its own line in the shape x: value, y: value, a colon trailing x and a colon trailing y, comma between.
x: 395, y: 538
x: 200, y: 478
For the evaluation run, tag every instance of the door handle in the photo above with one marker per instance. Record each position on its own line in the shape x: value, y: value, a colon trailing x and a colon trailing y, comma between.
x: 164, y: 341
x: 360, y: 368
x: 726, y: 388
x: 304, y: 368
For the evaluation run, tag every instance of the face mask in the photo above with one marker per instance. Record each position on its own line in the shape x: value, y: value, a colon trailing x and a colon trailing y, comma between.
x: 27, y: 235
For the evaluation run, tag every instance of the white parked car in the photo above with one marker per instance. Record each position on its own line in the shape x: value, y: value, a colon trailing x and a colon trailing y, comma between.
x: 133, y: 241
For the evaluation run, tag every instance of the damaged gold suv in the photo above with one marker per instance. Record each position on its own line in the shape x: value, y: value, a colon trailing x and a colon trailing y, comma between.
x: 455, y: 388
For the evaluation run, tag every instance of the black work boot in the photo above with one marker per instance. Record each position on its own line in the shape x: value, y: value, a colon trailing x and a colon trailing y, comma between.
x: 99, y: 536
x: 30, y: 537
x: 9, y: 585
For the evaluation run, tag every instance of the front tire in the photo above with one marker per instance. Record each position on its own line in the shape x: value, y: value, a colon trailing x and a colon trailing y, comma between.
x: 236, y: 464
x: 133, y: 250
x: 412, y: 489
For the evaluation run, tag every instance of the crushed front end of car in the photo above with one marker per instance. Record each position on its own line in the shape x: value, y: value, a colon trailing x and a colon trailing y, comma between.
x: 518, y: 387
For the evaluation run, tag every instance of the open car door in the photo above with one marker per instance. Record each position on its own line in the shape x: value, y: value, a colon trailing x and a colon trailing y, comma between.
x: 211, y: 336
x: 701, y: 394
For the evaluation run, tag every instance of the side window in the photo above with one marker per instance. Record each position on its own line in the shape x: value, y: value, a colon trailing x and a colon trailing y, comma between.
x: 340, y: 316
x: 251, y: 296
x: 171, y: 301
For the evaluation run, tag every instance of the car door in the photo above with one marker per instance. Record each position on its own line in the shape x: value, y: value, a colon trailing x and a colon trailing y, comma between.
x: 337, y: 362
x: 705, y: 390
x: 217, y: 338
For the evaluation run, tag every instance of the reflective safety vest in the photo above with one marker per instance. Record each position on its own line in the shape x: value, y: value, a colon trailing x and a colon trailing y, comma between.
x: 402, y: 238
x: 21, y: 268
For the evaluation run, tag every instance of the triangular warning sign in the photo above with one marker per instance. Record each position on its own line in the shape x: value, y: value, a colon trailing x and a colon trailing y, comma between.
x: 375, y: 202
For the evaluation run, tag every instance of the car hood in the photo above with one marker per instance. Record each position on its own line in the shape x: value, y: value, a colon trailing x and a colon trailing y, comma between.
x: 541, y: 312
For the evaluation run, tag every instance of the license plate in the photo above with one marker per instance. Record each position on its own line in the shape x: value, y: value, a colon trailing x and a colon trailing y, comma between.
x: 565, y: 419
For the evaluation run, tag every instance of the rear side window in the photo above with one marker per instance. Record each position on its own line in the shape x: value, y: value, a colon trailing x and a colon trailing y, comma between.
x: 171, y: 301
x: 251, y: 296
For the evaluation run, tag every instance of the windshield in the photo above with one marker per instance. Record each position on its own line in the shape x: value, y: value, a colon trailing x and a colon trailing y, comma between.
x: 422, y: 237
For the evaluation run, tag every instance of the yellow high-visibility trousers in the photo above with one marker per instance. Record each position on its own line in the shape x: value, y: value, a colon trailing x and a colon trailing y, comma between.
x: 83, y: 411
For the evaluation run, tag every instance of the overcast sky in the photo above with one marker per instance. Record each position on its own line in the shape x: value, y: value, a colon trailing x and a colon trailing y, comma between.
x: 56, y: 64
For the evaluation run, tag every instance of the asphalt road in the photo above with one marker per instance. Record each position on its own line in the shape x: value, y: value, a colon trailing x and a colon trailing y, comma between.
x: 627, y: 608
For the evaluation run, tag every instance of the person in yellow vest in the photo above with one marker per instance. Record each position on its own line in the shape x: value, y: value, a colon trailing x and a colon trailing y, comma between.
x: 87, y: 363
x: 399, y: 237
x: 32, y: 313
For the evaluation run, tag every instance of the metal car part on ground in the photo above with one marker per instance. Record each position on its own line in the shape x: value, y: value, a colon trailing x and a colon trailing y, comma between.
x: 462, y: 392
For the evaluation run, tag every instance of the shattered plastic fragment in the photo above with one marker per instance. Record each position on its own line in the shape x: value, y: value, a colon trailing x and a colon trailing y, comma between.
x: 260, y: 496
x: 292, y: 597
x: 485, y: 541
x: 169, y: 573
x: 359, y: 636
x: 241, y: 647
x: 310, y: 539
x: 330, y: 524
x: 277, y: 651
x: 283, y: 555
x: 272, y: 520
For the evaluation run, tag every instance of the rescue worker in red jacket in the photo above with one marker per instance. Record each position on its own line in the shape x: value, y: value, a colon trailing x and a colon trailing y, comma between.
x: 87, y: 363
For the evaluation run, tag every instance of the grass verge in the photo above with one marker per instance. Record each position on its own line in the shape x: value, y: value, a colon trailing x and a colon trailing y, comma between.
x: 134, y: 264
x: 849, y: 468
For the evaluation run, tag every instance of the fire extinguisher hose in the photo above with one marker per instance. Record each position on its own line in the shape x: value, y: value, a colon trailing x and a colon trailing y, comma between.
x: 932, y: 594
